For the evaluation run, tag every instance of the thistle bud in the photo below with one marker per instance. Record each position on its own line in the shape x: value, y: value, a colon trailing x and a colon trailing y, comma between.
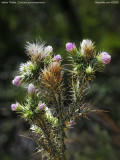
x: 31, y: 88
x: 89, y: 70
x: 57, y: 58
x: 14, y: 106
x: 104, y: 58
x: 87, y: 49
x: 41, y: 106
x: 17, y: 81
x: 70, y: 47
x: 48, y: 50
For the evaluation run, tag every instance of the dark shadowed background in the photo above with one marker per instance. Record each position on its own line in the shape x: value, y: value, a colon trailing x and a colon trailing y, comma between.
x: 57, y: 22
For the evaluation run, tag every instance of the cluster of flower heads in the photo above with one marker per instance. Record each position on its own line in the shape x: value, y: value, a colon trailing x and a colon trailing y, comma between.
x: 87, y: 56
x: 38, y: 109
x: 42, y: 60
x: 43, y: 75
x: 40, y: 57
x: 43, y: 64
x: 37, y: 50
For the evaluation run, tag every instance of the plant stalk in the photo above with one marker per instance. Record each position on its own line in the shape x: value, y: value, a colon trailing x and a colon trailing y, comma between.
x: 58, y: 103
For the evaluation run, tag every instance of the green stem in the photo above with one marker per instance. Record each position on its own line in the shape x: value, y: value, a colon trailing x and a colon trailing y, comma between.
x: 79, y: 94
x: 59, y: 109
x: 62, y: 126
x: 52, y: 150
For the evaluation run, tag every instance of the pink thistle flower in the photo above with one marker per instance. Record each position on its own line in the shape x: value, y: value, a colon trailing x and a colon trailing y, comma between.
x: 104, y: 57
x: 14, y: 107
x: 16, y: 81
x: 31, y: 88
x: 70, y: 47
x: 41, y: 106
x: 48, y: 50
x: 57, y: 58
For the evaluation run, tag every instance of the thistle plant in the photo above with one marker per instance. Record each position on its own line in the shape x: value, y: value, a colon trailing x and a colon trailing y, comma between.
x: 45, y: 103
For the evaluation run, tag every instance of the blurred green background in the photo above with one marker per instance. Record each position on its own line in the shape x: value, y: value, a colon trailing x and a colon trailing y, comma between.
x: 57, y: 22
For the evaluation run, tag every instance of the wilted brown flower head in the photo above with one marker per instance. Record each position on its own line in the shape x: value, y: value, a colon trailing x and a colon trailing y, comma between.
x: 52, y: 76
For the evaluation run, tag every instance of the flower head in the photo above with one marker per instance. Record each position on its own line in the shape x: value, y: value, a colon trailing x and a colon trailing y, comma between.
x: 48, y: 50
x: 104, y: 58
x: 41, y: 106
x: 34, y: 48
x: 31, y: 88
x: 26, y: 67
x: 70, y: 47
x: 36, y: 51
x: 57, y: 58
x: 52, y: 76
x: 22, y: 67
x: 14, y: 106
x: 17, y: 81
x: 87, y: 48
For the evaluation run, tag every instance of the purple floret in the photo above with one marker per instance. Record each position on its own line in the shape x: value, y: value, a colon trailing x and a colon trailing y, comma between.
x: 70, y: 47
x: 16, y: 81
x: 57, y: 58
x: 14, y: 106
x: 41, y: 106
x: 105, y: 57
